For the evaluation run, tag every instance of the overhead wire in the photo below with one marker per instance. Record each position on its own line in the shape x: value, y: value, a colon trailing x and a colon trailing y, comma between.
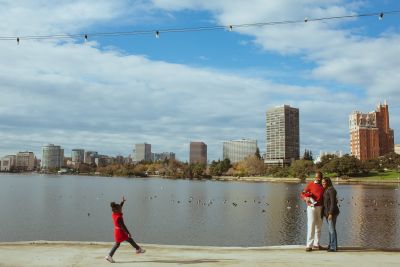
x: 158, y: 32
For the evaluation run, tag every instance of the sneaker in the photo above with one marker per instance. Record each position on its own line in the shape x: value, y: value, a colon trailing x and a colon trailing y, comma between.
x: 110, y: 259
x: 319, y: 248
x: 308, y: 249
x: 140, y: 250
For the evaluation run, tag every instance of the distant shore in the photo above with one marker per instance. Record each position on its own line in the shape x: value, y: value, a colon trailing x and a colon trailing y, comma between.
x: 336, y: 180
x: 358, y: 180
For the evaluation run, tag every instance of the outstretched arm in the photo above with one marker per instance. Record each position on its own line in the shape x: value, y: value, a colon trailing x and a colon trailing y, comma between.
x: 122, y: 201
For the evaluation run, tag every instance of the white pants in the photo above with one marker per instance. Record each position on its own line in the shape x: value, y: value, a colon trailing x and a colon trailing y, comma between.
x: 314, y: 224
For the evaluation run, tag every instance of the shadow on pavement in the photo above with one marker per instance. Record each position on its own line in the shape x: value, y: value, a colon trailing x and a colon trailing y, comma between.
x: 172, y: 261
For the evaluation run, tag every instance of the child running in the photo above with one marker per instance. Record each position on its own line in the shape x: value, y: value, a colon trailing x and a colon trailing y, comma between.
x: 121, y: 233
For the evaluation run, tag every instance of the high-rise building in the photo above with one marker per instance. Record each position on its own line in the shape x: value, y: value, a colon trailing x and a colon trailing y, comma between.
x: 370, y: 134
x: 7, y: 163
x: 52, y: 157
x: 90, y: 157
x: 78, y: 155
x: 198, y: 153
x: 237, y: 150
x: 282, y: 135
x: 25, y: 161
x: 142, y: 152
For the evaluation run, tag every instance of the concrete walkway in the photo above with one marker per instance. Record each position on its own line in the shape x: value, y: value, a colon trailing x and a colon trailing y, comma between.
x: 53, y: 254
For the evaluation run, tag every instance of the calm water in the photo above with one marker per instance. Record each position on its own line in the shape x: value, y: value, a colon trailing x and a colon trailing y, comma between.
x: 182, y: 212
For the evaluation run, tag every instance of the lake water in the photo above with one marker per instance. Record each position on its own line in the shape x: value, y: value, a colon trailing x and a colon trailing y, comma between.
x: 183, y: 212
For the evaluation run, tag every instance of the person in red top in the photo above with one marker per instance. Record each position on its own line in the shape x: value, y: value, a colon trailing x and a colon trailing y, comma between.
x: 121, y: 233
x: 313, y: 195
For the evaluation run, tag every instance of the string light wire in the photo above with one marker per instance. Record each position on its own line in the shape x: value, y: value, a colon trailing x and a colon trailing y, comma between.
x: 191, y: 29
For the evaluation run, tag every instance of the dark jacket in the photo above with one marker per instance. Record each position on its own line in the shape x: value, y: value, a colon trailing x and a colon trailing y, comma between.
x: 330, y: 202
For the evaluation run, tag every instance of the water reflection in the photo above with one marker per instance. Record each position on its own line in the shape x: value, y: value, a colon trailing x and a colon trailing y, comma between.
x: 370, y: 212
x: 188, y: 212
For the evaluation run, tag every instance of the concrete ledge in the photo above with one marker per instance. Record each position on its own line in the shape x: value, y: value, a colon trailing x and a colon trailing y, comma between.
x: 49, y: 253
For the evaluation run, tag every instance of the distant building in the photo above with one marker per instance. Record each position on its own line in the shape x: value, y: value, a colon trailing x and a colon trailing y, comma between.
x: 52, y: 157
x: 25, y: 161
x: 90, y: 157
x: 162, y: 156
x: 324, y: 153
x: 103, y: 160
x: 142, y: 152
x: 7, y: 163
x: 198, y: 153
x: 119, y: 159
x: 397, y: 148
x: 282, y: 135
x: 78, y: 155
x: 237, y: 150
x: 370, y: 134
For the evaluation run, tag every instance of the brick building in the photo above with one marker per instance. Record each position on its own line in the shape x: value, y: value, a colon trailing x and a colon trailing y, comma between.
x: 370, y: 134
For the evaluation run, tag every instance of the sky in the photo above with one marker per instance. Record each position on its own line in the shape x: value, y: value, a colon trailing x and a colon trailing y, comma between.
x: 109, y: 93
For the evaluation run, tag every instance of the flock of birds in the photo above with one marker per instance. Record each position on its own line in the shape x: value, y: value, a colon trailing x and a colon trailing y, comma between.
x: 366, y: 202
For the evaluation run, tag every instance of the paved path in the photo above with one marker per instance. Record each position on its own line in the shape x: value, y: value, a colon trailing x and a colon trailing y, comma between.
x: 92, y: 254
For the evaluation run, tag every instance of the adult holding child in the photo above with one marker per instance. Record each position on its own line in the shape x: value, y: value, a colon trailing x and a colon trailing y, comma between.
x: 331, y: 212
x: 313, y: 195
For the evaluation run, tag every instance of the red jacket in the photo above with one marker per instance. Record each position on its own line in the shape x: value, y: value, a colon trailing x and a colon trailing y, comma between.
x: 120, y: 234
x: 317, y: 192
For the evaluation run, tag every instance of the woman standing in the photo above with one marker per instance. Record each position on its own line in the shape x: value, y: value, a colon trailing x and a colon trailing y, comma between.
x: 331, y: 211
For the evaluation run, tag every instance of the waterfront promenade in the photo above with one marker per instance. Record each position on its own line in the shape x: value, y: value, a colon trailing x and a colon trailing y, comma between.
x: 87, y: 254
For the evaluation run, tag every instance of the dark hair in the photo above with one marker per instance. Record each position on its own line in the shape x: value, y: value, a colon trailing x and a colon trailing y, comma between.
x: 328, y: 181
x: 319, y: 174
x: 114, y: 206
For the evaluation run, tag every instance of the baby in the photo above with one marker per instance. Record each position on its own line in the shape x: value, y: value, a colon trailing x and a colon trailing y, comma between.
x: 311, y: 200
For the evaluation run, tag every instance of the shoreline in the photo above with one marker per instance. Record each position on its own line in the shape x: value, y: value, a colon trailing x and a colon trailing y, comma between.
x: 254, y: 179
x: 64, y: 253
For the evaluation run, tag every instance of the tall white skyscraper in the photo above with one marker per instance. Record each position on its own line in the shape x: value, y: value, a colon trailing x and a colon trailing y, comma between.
x: 143, y: 152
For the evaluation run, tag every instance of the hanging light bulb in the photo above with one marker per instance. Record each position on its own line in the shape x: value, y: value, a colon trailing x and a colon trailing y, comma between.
x: 230, y: 28
x: 86, y: 37
x: 157, y: 34
x: 381, y: 16
x: 17, y: 40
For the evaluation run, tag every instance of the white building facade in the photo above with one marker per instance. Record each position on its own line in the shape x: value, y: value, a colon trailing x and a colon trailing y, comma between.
x: 143, y: 152
x: 7, y: 163
x: 52, y: 157
x: 237, y: 150
x: 25, y: 161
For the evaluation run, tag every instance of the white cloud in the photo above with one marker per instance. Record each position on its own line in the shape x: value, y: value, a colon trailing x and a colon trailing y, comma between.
x: 78, y: 95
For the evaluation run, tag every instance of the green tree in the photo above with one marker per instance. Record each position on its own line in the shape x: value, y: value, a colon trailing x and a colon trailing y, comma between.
x: 346, y: 165
x: 279, y: 171
x: 308, y: 155
x: 257, y: 154
x: 302, y: 168
x: 325, y: 159
x: 218, y: 168
x: 197, y: 170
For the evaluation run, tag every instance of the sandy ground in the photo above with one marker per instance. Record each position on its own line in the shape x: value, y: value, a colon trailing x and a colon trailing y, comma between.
x: 42, y: 253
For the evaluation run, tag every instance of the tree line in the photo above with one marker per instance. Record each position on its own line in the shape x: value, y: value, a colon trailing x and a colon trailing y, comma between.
x: 345, y: 166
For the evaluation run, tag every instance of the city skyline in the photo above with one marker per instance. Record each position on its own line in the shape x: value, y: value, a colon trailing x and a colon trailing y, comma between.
x: 107, y: 94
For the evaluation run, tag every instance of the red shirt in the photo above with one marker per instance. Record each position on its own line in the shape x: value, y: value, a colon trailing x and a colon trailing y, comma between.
x: 317, y: 192
x: 119, y: 234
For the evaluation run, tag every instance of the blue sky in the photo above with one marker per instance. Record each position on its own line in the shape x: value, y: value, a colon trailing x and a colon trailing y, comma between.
x: 112, y: 92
